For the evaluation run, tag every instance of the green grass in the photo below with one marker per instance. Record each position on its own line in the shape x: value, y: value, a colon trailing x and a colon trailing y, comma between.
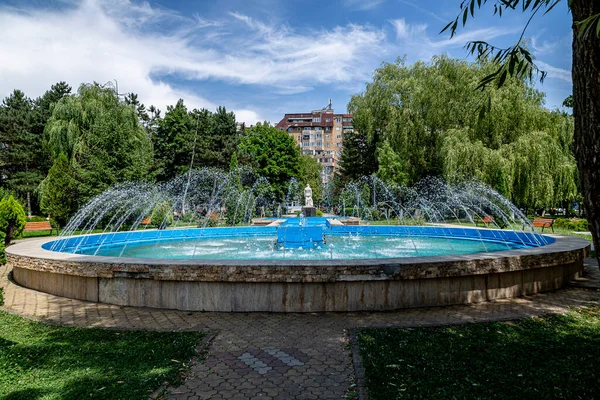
x: 40, y: 361
x: 554, y: 357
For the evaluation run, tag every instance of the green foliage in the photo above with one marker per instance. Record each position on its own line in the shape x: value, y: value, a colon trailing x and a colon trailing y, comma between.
x: 572, y: 224
x: 12, y: 218
x: 41, y: 361
x: 310, y: 173
x: 392, y: 167
x: 162, y: 215
x: 2, y: 289
x: 212, y: 136
x: 359, y: 155
x: 59, y: 191
x: 319, y: 213
x: 23, y: 161
x: 427, y: 113
x: 101, y: 137
x: 491, y: 360
x: 501, y: 183
x: 272, y: 154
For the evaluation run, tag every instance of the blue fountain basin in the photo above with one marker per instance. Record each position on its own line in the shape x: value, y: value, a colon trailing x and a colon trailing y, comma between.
x: 303, y: 243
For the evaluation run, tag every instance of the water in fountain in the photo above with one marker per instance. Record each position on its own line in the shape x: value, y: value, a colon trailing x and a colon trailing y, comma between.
x: 216, y: 198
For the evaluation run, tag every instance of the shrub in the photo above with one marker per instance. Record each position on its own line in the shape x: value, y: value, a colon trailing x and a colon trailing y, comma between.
x: 12, y: 218
x: 319, y: 213
x: 162, y: 215
x: 572, y: 224
x: 1, y: 296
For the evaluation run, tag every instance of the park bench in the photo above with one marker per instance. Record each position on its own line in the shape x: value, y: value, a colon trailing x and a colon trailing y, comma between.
x: 543, y: 223
x: 488, y: 219
x: 39, y: 226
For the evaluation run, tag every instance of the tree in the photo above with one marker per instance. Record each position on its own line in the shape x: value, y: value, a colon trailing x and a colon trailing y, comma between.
x: 101, y: 137
x: 517, y: 61
x: 59, y: 191
x: 359, y: 155
x: 12, y: 218
x: 392, y: 168
x: 310, y: 173
x: 218, y: 137
x: 429, y: 121
x: 272, y: 154
x: 173, y: 142
x: 22, y: 161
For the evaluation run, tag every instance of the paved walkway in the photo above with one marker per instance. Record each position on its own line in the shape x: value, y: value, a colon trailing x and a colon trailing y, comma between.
x: 275, y: 356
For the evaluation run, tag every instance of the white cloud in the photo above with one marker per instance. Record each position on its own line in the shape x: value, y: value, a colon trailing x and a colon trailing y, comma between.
x: 414, y: 39
x: 139, y: 45
x: 554, y: 72
x: 362, y: 4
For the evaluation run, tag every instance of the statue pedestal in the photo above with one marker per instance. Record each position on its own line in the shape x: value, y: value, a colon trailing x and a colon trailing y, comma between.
x: 309, y: 211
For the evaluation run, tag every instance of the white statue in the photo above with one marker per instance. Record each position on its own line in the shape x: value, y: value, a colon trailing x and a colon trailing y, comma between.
x: 308, y: 196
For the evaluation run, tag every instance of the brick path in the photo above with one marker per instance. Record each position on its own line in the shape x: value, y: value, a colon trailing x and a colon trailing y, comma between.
x: 275, y: 356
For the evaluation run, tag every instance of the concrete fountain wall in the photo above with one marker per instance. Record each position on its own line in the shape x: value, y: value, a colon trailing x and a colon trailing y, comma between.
x: 299, y: 286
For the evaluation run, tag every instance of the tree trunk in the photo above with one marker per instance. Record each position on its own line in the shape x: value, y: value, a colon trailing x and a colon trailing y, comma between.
x: 586, y: 110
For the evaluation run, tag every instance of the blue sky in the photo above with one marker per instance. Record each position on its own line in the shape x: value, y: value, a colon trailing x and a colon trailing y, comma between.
x: 259, y: 58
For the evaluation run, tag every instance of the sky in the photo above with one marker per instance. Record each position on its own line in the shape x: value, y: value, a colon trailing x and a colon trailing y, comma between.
x: 258, y: 58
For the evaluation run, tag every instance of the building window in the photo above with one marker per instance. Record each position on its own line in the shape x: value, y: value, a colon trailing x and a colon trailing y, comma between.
x: 317, y: 119
x: 307, y: 128
x: 290, y: 129
x: 327, y: 119
x: 338, y: 120
x: 318, y: 128
x: 347, y: 119
x: 299, y: 137
x: 339, y: 145
x: 337, y: 128
x: 339, y: 136
x: 327, y: 145
x: 328, y: 128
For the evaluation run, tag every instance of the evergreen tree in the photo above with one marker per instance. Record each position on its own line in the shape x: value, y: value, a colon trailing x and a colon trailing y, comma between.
x: 218, y: 138
x: 359, y: 157
x: 59, y: 191
x: 21, y: 153
x: 173, y: 142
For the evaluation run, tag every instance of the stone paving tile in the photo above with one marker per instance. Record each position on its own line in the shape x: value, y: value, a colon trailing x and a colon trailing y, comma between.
x: 277, y: 356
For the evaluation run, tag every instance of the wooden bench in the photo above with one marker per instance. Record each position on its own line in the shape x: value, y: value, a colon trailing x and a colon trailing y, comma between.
x: 543, y: 223
x: 488, y: 219
x: 39, y: 226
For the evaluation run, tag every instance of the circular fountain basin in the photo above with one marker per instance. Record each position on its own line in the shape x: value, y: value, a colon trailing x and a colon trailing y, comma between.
x: 355, y: 268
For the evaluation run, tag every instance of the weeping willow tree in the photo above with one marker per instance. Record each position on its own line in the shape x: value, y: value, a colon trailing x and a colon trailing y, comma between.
x: 424, y: 118
x: 101, y: 137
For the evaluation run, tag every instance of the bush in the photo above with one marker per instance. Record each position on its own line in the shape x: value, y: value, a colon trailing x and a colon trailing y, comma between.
x: 1, y: 296
x: 12, y: 218
x: 572, y: 224
x: 162, y: 215
x: 319, y: 213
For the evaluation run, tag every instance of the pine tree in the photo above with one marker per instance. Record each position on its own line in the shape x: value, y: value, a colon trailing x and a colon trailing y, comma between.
x: 358, y: 158
x: 21, y: 153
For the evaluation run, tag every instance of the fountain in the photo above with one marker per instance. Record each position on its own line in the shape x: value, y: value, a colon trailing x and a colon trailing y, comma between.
x: 189, y: 244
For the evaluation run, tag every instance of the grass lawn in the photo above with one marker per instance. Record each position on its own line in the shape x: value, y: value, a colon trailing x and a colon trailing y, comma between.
x: 554, y: 357
x: 40, y: 361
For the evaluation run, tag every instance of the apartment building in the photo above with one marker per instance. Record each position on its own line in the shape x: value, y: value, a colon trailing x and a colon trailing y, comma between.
x: 320, y: 134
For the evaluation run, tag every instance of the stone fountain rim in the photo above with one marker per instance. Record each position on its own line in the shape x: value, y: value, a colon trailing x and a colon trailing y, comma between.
x: 31, y: 255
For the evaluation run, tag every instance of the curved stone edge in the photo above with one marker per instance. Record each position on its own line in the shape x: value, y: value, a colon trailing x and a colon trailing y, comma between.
x: 30, y: 255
